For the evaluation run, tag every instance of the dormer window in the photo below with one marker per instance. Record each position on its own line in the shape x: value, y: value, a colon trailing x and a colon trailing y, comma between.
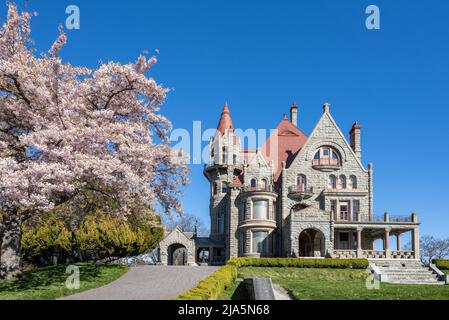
x: 326, y: 156
x: 253, y: 183
x: 264, y: 184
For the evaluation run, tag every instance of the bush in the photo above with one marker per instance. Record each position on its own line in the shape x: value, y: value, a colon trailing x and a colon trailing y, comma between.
x: 300, y: 263
x: 47, y: 240
x: 442, y: 264
x: 214, y: 285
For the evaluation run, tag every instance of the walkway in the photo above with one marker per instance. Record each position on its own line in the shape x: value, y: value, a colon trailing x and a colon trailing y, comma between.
x: 148, y: 283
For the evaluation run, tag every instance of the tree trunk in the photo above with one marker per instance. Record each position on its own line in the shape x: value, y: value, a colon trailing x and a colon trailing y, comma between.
x: 10, y: 246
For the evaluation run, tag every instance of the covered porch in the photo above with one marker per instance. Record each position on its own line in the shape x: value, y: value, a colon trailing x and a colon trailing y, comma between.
x: 376, y: 240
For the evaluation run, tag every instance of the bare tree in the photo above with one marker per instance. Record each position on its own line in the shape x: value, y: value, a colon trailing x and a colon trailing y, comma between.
x: 187, y: 223
x: 433, y: 248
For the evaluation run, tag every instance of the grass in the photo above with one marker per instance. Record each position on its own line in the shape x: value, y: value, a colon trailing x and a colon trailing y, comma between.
x: 337, y: 284
x: 49, y: 283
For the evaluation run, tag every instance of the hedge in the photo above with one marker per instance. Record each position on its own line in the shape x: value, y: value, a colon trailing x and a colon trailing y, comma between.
x: 442, y: 264
x: 214, y: 285
x: 300, y: 263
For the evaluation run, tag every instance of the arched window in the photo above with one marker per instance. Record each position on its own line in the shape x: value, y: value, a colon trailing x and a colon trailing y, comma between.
x: 264, y: 184
x: 352, y: 184
x: 234, y: 159
x: 326, y: 156
x: 253, y: 183
x: 332, y: 182
x: 342, y: 182
x: 301, y: 182
x: 215, y: 188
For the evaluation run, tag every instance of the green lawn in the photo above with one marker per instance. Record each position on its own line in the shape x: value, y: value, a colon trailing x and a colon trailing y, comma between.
x: 49, y: 283
x: 336, y: 284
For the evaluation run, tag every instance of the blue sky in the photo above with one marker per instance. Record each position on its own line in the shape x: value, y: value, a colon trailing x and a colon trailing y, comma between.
x: 262, y: 56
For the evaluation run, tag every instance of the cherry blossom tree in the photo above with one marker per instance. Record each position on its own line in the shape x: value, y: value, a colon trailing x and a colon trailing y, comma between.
x: 66, y: 129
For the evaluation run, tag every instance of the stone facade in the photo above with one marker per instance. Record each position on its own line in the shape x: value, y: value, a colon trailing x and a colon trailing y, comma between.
x: 312, y: 198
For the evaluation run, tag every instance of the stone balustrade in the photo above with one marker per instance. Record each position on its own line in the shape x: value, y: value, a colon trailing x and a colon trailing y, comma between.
x: 372, y: 254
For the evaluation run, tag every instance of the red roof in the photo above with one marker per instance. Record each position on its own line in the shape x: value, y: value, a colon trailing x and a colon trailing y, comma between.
x: 289, y: 140
x: 225, y: 120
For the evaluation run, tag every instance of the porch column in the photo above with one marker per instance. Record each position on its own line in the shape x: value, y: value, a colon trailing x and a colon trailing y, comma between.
x: 398, y: 241
x: 387, y: 243
x: 359, y: 243
x: 415, y: 239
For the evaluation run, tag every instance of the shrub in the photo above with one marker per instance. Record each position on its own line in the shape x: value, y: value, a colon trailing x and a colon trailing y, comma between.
x: 442, y: 264
x: 300, y: 263
x: 214, y: 285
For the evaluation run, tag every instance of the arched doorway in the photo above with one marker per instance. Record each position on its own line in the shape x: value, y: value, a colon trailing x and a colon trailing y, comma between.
x: 311, y: 243
x: 177, y: 255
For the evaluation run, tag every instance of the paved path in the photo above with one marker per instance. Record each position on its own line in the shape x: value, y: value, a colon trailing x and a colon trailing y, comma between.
x: 148, y: 283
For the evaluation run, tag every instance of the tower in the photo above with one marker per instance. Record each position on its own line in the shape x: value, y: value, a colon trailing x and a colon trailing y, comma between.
x: 221, y: 171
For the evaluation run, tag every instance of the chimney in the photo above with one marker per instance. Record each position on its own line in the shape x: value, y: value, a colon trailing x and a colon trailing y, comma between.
x: 355, y: 139
x: 294, y: 114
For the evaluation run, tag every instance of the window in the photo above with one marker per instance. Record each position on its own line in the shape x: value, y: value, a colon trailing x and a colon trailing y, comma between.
x: 253, y: 183
x: 334, y: 207
x: 332, y: 182
x: 265, y: 184
x: 220, y: 219
x: 344, y: 241
x: 260, y: 209
x: 245, y: 211
x: 344, y: 211
x: 224, y: 187
x: 260, y: 242
x: 301, y: 182
x: 352, y: 182
x: 355, y: 210
x: 326, y: 156
x: 235, y: 159
x: 215, y: 188
x: 224, y: 155
x: 342, y: 182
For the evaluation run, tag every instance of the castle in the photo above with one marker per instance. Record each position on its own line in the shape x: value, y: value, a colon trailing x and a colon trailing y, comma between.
x: 296, y: 196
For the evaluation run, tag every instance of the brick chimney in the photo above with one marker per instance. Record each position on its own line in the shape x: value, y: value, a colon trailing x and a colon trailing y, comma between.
x: 294, y: 114
x: 355, y: 139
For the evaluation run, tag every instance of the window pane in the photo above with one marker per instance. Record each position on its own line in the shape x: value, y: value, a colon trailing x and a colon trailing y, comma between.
x: 260, y: 209
x: 326, y: 152
x: 260, y: 241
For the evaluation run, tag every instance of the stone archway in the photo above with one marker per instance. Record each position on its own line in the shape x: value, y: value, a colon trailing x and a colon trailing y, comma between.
x: 177, y: 255
x: 311, y: 243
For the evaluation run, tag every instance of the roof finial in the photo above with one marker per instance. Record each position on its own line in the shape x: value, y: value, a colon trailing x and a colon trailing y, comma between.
x: 326, y: 107
x: 285, y: 116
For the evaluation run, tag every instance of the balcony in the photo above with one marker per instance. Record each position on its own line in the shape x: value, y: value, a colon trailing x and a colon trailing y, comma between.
x: 300, y: 192
x: 260, y: 190
x: 258, y: 223
x: 326, y: 164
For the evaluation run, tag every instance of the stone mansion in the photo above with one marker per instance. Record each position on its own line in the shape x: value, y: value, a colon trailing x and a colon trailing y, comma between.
x: 296, y: 196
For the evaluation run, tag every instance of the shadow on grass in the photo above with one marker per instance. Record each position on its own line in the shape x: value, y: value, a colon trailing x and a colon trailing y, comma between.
x: 240, y: 293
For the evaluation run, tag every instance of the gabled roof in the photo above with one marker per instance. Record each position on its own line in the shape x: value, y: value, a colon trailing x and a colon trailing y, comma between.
x: 225, y: 120
x: 289, y: 140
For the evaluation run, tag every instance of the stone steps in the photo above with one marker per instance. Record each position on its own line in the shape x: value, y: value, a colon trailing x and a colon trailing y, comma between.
x: 406, y: 272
